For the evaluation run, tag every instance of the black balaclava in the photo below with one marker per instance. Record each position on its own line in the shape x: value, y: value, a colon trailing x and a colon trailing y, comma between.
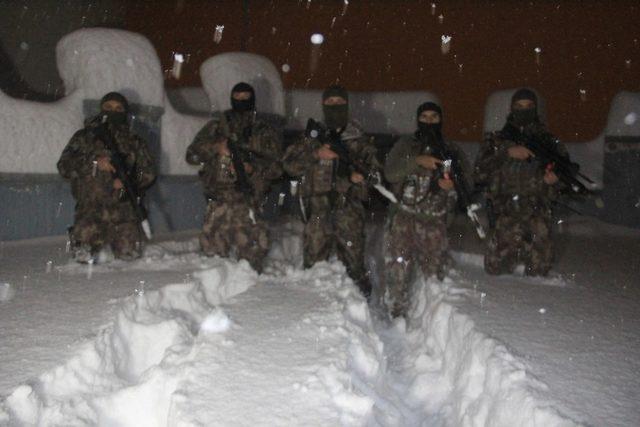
x: 246, y: 104
x: 524, y: 117
x: 115, y: 118
x: 336, y: 116
x: 429, y: 129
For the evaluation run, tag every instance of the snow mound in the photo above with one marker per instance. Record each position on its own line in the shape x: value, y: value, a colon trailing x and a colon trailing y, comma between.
x: 221, y: 72
x: 128, y: 375
x: 91, y: 62
x: 100, y: 60
x: 33, y: 134
x: 465, y: 377
x: 178, y: 131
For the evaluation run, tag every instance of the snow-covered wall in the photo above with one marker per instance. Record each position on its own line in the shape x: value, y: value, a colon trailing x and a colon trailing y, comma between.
x: 220, y: 73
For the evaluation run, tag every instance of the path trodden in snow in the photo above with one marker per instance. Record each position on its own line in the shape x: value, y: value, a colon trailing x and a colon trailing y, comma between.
x: 290, y: 347
x: 288, y: 356
x: 227, y: 349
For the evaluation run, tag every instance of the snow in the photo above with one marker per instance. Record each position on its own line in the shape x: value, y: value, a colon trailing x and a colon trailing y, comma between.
x: 91, y: 63
x: 178, y: 131
x: 33, y: 134
x: 623, y: 115
x: 100, y: 60
x: 95, y: 61
x: 189, y: 99
x: 220, y: 73
x: 189, y: 340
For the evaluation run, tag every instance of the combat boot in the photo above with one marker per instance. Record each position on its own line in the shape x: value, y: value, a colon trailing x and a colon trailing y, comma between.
x: 83, y: 254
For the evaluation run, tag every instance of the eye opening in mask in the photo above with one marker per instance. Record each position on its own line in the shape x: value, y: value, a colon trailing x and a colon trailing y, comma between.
x: 112, y: 105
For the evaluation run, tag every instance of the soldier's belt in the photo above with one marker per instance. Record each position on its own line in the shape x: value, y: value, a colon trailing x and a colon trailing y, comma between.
x: 419, y: 212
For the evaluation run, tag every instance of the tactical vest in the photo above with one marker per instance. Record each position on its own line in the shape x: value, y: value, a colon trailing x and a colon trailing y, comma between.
x: 418, y: 195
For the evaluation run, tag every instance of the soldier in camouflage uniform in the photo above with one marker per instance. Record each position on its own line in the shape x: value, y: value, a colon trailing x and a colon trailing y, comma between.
x: 416, y: 236
x: 232, y: 220
x: 104, y: 216
x: 333, y: 187
x: 519, y: 191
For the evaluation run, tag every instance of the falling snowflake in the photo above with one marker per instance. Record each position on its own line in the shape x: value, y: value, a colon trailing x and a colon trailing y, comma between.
x: 176, y: 70
x: 317, y: 39
x: 217, y: 36
x: 583, y: 94
x: 445, y: 44
x: 630, y: 119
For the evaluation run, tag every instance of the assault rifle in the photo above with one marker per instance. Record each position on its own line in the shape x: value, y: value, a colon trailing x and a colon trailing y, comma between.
x: 237, y: 159
x: 546, y: 153
x: 345, y: 163
x: 123, y: 173
x: 451, y: 169
x: 243, y: 185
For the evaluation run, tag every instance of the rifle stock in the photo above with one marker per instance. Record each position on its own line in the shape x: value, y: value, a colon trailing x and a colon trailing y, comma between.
x: 122, y: 173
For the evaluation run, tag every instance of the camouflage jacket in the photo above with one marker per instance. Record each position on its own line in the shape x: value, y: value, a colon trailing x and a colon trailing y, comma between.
x: 509, y: 181
x: 258, y: 142
x: 316, y: 176
x: 89, y: 184
x: 415, y: 187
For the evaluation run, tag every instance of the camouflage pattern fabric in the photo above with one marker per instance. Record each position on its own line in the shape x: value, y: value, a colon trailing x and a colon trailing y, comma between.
x: 339, y: 231
x: 520, y: 236
x: 415, y: 187
x: 228, y: 224
x: 412, y: 244
x: 521, y: 204
x: 334, y: 209
x: 416, y: 234
x: 256, y: 138
x: 103, y: 215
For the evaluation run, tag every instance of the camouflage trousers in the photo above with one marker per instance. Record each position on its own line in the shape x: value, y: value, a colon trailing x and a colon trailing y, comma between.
x: 340, y: 230
x: 96, y: 226
x: 412, y: 243
x: 228, y: 225
x: 520, y: 238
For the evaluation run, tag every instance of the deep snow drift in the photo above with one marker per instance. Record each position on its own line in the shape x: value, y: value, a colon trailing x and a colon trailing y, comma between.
x: 187, y: 340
